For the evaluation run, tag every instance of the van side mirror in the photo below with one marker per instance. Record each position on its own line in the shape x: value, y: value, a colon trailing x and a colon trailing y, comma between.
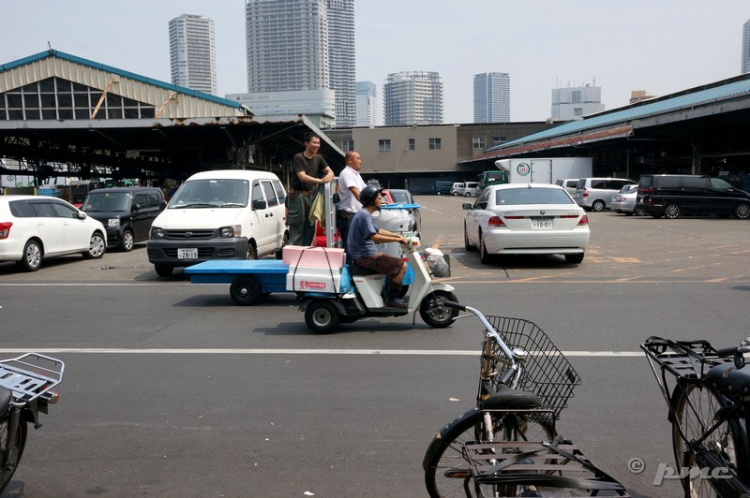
x: 260, y: 204
x: 135, y: 208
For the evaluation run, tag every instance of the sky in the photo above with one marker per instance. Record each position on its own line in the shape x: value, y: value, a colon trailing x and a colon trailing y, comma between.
x: 660, y: 46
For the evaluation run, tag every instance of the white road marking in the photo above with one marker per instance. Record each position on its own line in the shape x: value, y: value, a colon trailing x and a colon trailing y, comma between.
x: 343, y: 352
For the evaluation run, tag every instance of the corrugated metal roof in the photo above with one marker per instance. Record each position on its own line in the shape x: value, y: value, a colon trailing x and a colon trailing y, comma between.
x: 721, y: 91
x: 127, y: 74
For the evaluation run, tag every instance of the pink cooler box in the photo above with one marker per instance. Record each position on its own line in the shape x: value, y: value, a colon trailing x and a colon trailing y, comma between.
x: 313, y: 257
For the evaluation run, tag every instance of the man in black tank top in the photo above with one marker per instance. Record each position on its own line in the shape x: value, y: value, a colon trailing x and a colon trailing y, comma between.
x: 309, y: 169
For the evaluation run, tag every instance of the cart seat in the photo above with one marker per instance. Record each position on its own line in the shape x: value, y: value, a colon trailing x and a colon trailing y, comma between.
x: 355, y: 269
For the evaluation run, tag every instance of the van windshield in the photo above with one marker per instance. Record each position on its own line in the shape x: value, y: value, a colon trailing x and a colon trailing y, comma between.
x: 107, y: 201
x: 211, y: 193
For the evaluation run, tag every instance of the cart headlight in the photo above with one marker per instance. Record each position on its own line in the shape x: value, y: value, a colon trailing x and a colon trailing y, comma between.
x: 113, y: 223
x: 231, y: 231
x: 157, y: 233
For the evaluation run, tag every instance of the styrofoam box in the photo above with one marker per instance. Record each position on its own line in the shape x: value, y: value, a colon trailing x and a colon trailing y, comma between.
x: 307, y: 279
x: 313, y: 257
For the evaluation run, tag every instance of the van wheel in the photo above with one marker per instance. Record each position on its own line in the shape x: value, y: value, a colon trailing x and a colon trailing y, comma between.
x: 284, y: 242
x: 467, y: 194
x: 598, y: 206
x: 126, y: 244
x: 455, y: 194
x: 163, y: 270
x: 252, y: 253
x: 672, y: 211
x: 742, y: 212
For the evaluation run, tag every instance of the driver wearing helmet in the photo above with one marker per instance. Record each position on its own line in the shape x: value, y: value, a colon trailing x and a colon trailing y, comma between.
x: 363, y: 235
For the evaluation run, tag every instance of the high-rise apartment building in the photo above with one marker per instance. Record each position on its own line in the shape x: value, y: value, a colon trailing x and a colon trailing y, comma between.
x: 492, y: 98
x: 302, y: 45
x: 367, y: 103
x: 573, y: 103
x: 193, y: 53
x: 287, y: 45
x: 413, y: 98
x: 746, y: 47
x: 341, y: 60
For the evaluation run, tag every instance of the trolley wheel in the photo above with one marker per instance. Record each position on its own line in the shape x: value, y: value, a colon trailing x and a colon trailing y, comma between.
x: 245, y: 291
x: 322, y: 317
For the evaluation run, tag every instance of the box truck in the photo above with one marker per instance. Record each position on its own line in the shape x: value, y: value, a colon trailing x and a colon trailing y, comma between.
x: 545, y: 169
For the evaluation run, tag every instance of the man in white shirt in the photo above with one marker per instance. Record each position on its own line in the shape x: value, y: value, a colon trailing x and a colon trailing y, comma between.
x: 350, y: 185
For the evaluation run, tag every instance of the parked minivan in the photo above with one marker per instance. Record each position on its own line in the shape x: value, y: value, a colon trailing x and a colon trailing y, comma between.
x: 126, y: 212
x: 596, y: 193
x: 457, y: 188
x: 443, y: 187
x: 675, y: 195
x: 569, y: 184
x: 229, y: 214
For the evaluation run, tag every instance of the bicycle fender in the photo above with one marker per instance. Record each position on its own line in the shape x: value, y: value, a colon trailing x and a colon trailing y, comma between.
x: 438, y: 441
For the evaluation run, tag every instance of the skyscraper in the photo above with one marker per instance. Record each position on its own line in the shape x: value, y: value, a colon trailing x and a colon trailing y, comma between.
x: 193, y: 53
x: 492, y: 98
x: 301, y: 45
x: 287, y: 45
x: 746, y: 47
x: 367, y: 103
x: 341, y: 60
x: 413, y: 98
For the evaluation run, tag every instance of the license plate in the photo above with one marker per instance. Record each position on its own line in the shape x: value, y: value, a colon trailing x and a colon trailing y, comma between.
x: 541, y: 223
x: 191, y: 253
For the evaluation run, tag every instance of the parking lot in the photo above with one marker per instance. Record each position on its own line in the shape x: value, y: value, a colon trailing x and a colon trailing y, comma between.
x: 171, y: 389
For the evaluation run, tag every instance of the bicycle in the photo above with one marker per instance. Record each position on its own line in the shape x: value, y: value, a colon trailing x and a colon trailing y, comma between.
x: 708, y: 406
x: 507, y: 445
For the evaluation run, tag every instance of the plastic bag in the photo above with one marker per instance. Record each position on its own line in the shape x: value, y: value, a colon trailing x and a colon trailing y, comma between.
x: 438, y: 262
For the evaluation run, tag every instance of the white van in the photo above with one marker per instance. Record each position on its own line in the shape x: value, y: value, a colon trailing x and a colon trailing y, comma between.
x: 229, y: 214
x: 457, y: 188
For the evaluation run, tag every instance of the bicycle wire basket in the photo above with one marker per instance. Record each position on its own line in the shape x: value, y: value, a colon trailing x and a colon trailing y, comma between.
x: 546, y: 373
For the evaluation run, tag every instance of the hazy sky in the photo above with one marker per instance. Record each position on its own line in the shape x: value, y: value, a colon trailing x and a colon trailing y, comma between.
x: 660, y: 46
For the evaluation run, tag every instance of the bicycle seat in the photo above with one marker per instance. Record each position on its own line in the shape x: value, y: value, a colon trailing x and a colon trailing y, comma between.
x: 726, y: 379
x: 507, y: 398
x: 6, y: 395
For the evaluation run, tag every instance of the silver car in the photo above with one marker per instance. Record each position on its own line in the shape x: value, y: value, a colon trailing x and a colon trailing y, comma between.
x: 624, y: 202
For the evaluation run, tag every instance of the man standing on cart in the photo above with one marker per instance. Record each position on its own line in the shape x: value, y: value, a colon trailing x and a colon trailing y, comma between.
x: 349, y: 188
x: 309, y: 169
x: 363, y: 235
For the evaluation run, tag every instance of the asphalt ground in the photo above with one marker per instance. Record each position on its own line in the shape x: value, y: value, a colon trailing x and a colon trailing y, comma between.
x: 172, y: 390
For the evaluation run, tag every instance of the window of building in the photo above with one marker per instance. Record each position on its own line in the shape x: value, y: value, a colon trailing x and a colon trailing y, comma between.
x: 576, y: 96
x: 347, y: 145
x: 412, y: 144
x: 577, y: 111
x: 384, y: 145
x: 478, y: 142
x: 435, y: 144
x: 56, y: 98
x: 498, y: 140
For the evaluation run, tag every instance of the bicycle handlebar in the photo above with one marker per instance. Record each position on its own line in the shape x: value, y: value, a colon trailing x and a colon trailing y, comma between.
x: 487, y: 325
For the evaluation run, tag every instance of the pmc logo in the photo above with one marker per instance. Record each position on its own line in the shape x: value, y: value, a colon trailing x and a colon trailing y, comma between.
x: 306, y: 284
x: 523, y: 169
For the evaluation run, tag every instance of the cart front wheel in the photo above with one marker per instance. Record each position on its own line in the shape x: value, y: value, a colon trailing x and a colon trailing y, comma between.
x: 245, y: 291
x: 322, y: 317
x: 435, y: 313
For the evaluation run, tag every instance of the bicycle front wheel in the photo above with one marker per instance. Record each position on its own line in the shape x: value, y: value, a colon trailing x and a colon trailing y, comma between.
x: 445, y: 463
x: 695, y: 411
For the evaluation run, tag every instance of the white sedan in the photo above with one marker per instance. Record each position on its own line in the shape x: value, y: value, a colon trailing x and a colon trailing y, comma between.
x: 526, y: 219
